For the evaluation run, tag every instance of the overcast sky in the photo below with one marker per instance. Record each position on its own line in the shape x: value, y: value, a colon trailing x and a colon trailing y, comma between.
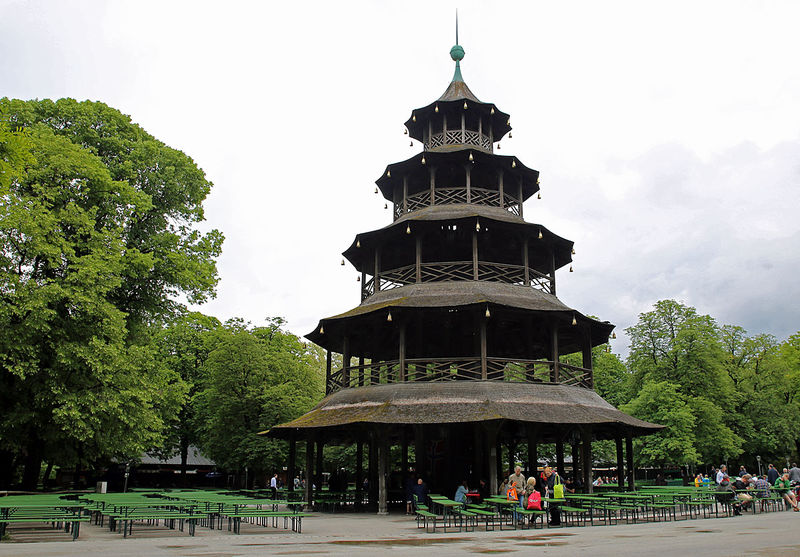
x: 667, y: 134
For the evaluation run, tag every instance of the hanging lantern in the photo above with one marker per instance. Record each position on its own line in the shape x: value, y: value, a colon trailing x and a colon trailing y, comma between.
x: 540, y: 234
x: 614, y: 335
x: 358, y: 243
x: 423, y: 159
x: 465, y: 105
x: 389, y: 317
x: 477, y: 226
x: 514, y: 164
x: 570, y: 268
x: 471, y: 158
x: 388, y: 173
x: 321, y: 330
x: 488, y: 314
x: 408, y: 229
x: 405, y: 131
x: 574, y: 321
x: 342, y: 262
x: 436, y: 108
x: 491, y: 111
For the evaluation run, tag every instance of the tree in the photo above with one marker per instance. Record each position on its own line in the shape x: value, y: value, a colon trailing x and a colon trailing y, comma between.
x: 662, y: 402
x: 97, y: 237
x: 254, y: 379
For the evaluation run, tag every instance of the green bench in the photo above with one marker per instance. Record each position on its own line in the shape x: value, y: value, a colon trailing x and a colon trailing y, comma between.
x: 425, y: 517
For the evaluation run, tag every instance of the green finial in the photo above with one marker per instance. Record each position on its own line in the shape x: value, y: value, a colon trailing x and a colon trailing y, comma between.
x: 457, y: 54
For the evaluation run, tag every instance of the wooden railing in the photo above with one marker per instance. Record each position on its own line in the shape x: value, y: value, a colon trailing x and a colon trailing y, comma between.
x: 459, y: 137
x: 455, y: 195
x: 456, y: 271
x: 459, y: 369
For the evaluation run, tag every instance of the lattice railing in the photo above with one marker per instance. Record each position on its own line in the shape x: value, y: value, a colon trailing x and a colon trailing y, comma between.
x: 457, y: 271
x: 458, y: 369
x: 450, y: 196
x: 457, y: 137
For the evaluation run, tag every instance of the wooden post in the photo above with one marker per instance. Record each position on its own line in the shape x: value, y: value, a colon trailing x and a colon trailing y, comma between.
x: 318, y: 475
x: 309, y: 494
x: 346, y: 362
x: 491, y: 441
x: 587, y: 357
x: 491, y: 135
x: 500, y: 176
x: 560, y: 456
x: 463, y: 129
x: 586, y: 434
x: 359, y: 473
x: 552, y: 273
x: 404, y: 455
x: 484, y: 371
x: 383, y: 465
x: 520, y: 197
x: 629, y: 455
x: 363, y: 285
x: 291, y: 470
x: 373, y: 473
x: 526, y: 271
x: 405, y: 194
x: 512, y: 448
x: 475, y: 253
x: 361, y: 371
x: 576, y: 458
x: 620, y: 463
x: 468, y: 172
x: 419, y: 259
x: 328, y: 372
x: 377, y: 275
x: 401, y: 356
x: 554, y: 372
x: 432, y: 173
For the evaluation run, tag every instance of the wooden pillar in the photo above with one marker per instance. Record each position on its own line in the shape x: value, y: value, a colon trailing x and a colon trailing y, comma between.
x: 383, y: 473
x: 318, y: 471
x: 361, y: 371
x: 560, y: 456
x: 491, y: 135
x: 586, y: 435
x: 520, y: 198
x: 587, y: 357
x: 432, y: 173
x: 526, y: 273
x: 404, y: 454
x: 372, y: 493
x: 309, y: 494
x: 493, y: 457
x: 291, y: 470
x: 405, y: 194
x: 533, y: 451
x: 512, y: 448
x: 468, y: 172
x: 500, y: 176
x: 377, y: 275
x: 620, y: 463
x: 629, y: 455
x: 328, y: 372
x: 463, y: 129
x: 359, y: 473
x: 363, y: 285
x: 418, y: 259
x: 554, y: 372
x: 401, y: 352
x: 475, y: 252
x: 346, y: 362
x: 498, y: 460
x: 484, y: 370
x: 552, y: 273
x: 576, y: 458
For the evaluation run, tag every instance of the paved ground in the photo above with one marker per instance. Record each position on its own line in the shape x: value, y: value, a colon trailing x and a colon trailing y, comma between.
x: 766, y: 535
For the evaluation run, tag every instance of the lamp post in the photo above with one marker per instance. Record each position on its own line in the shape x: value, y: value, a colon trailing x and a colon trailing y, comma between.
x: 758, y: 458
x: 127, y: 473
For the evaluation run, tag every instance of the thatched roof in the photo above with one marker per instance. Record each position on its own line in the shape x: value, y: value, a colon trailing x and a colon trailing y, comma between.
x: 464, y: 401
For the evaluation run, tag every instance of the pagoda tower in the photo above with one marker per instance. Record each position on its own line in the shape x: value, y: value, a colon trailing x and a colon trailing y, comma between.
x: 457, y: 347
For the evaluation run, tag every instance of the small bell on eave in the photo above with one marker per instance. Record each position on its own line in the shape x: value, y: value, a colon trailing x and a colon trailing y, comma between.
x: 513, y: 164
x: 342, y: 262
x: 413, y: 117
x: 436, y: 108
x: 465, y: 105
x: 538, y: 196
x: 376, y: 189
x: 410, y: 143
x: 405, y: 131
x: 570, y: 268
x: 573, y: 251
x: 498, y: 145
x: 574, y: 321
x: 358, y: 243
x: 614, y: 335
x: 385, y: 205
x: 389, y: 317
x: 388, y: 173
x: 358, y: 279
x: 408, y: 229
x: 477, y: 226
x: 423, y: 159
x: 509, y: 135
x: 471, y: 158
x: 321, y: 330
x: 488, y: 314
x: 540, y: 234
x: 491, y: 111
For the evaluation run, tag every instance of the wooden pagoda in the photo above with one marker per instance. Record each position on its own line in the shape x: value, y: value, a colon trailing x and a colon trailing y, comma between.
x: 456, y: 347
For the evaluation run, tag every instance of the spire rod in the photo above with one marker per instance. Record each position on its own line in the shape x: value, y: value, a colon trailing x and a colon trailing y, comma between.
x: 457, y: 54
x: 456, y: 25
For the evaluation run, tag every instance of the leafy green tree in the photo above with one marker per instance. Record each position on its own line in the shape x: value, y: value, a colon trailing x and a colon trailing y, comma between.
x: 254, y: 379
x: 662, y: 402
x: 97, y: 235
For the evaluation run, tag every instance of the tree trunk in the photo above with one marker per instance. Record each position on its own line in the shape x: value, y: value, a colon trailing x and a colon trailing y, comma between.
x: 184, y: 458
x: 7, y: 468
x: 46, y: 476
x: 33, y: 465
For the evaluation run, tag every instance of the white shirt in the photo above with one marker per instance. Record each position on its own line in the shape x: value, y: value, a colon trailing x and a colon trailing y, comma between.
x: 274, y: 482
x: 720, y: 476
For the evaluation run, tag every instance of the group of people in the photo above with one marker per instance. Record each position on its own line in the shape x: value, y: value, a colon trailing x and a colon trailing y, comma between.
x: 745, y: 485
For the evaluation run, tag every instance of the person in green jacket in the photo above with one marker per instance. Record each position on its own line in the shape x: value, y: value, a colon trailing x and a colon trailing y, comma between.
x: 784, y: 487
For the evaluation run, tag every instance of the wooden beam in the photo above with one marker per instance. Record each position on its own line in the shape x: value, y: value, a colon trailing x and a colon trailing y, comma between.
x: 586, y: 434
x: 432, y: 174
x: 552, y: 272
x: 629, y: 455
x: 376, y: 281
x: 475, y: 254
x: 405, y: 194
x: 359, y: 473
x: 291, y: 470
x: 419, y: 259
x: 346, y: 362
x: 309, y: 491
x: 500, y: 176
x: 620, y: 462
x: 555, y: 371
x: 468, y: 172
x: 383, y: 466
x: 327, y: 372
x: 520, y: 198
x: 586, y: 356
x: 484, y: 372
x: 526, y: 270
x: 401, y: 356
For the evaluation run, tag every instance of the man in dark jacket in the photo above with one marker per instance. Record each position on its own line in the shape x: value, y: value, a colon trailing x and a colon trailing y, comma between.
x: 772, y: 475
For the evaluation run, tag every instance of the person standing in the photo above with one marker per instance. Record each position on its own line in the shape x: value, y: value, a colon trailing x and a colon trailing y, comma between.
x: 273, y: 486
x: 772, y: 475
x: 794, y: 473
x: 517, y: 480
x: 721, y: 473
